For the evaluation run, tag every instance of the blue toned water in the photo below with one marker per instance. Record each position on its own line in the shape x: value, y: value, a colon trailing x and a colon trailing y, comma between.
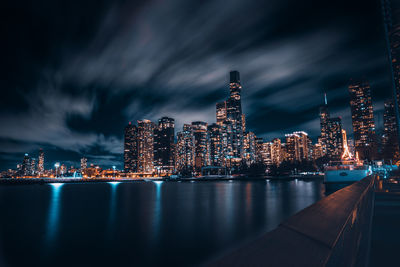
x: 141, y: 223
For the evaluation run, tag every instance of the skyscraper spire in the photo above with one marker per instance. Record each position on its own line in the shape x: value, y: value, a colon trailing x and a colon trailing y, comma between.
x: 325, y: 99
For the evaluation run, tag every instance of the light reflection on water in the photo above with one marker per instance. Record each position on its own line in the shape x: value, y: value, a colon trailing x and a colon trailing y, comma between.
x: 133, y: 221
x: 157, y: 211
x: 113, y: 208
x: 54, y: 212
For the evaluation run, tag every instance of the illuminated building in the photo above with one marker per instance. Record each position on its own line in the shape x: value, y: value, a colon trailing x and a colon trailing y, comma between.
x: 164, y: 136
x: 318, y: 150
x: 184, y: 153
x: 145, y: 144
x: 41, y: 162
x: 276, y: 152
x: 83, y: 165
x: 32, y: 170
x: 391, y: 16
x: 333, y: 139
x: 259, y: 149
x: 363, y: 119
x: 267, y: 153
x: 324, y: 117
x: 234, y: 119
x: 130, y: 148
x: 26, y: 165
x: 297, y: 146
x: 215, y: 137
x: 249, y: 148
x: 389, y: 138
x: 221, y: 112
x: 201, y: 156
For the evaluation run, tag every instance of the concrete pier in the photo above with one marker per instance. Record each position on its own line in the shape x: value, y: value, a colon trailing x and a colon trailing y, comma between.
x: 335, y: 231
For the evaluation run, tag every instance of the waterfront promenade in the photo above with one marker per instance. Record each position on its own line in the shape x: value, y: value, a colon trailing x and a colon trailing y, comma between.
x: 335, y: 231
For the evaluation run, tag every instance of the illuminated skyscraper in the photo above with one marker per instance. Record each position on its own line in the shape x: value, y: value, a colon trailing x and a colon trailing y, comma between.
x: 324, y: 117
x: 333, y: 139
x: 363, y: 119
x: 215, y: 138
x: 145, y: 142
x: 201, y: 157
x: 389, y: 138
x: 131, y: 148
x: 41, y: 162
x: 185, y: 149
x: 26, y: 165
x: 164, y: 136
x: 234, y: 116
x: 276, y: 152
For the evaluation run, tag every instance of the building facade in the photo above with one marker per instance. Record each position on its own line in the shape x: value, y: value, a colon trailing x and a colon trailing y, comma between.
x: 131, y: 149
x: 201, y: 145
x: 145, y: 144
x: 185, y: 150
x: 363, y: 120
x: 164, y: 135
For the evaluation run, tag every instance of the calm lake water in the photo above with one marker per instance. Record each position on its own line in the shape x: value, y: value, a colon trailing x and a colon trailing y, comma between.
x: 141, y: 223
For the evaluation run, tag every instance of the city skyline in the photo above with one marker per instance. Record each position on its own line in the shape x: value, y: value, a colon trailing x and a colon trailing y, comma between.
x: 228, y: 146
x: 76, y: 105
x: 145, y: 153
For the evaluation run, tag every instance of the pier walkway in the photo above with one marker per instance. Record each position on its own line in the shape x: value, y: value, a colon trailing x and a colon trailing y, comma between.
x: 335, y: 231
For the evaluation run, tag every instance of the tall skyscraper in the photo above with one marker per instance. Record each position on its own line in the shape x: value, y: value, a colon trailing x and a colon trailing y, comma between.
x: 215, y: 138
x: 164, y: 136
x: 41, y: 162
x: 201, y: 158
x: 324, y: 117
x: 333, y: 139
x: 389, y: 138
x: 276, y: 152
x: 145, y: 141
x: 234, y: 115
x: 363, y: 119
x: 391, y: 17
x: 26, y: 165
x: 131, y: 148
x: 185, y: 150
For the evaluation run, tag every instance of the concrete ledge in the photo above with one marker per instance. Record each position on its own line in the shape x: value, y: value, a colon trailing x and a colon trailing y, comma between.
x: 335, y: 231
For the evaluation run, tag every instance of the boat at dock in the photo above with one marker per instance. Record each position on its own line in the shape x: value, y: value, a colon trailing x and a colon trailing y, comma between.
x: 347, y: 170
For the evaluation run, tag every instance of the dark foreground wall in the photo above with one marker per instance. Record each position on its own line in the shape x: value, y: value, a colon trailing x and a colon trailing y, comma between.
x: 335, y: 231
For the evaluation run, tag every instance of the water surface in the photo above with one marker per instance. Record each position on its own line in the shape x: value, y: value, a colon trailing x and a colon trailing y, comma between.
x: 141, y: 223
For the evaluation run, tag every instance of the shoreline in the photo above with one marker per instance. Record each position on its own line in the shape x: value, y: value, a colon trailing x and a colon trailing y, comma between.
x: 25, y: 181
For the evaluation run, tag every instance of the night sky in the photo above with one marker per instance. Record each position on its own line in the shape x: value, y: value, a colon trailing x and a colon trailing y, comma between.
x: 74, y: 73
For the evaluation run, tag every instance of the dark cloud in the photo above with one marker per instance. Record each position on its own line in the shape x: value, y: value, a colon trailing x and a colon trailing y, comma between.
x: 76, y: 73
